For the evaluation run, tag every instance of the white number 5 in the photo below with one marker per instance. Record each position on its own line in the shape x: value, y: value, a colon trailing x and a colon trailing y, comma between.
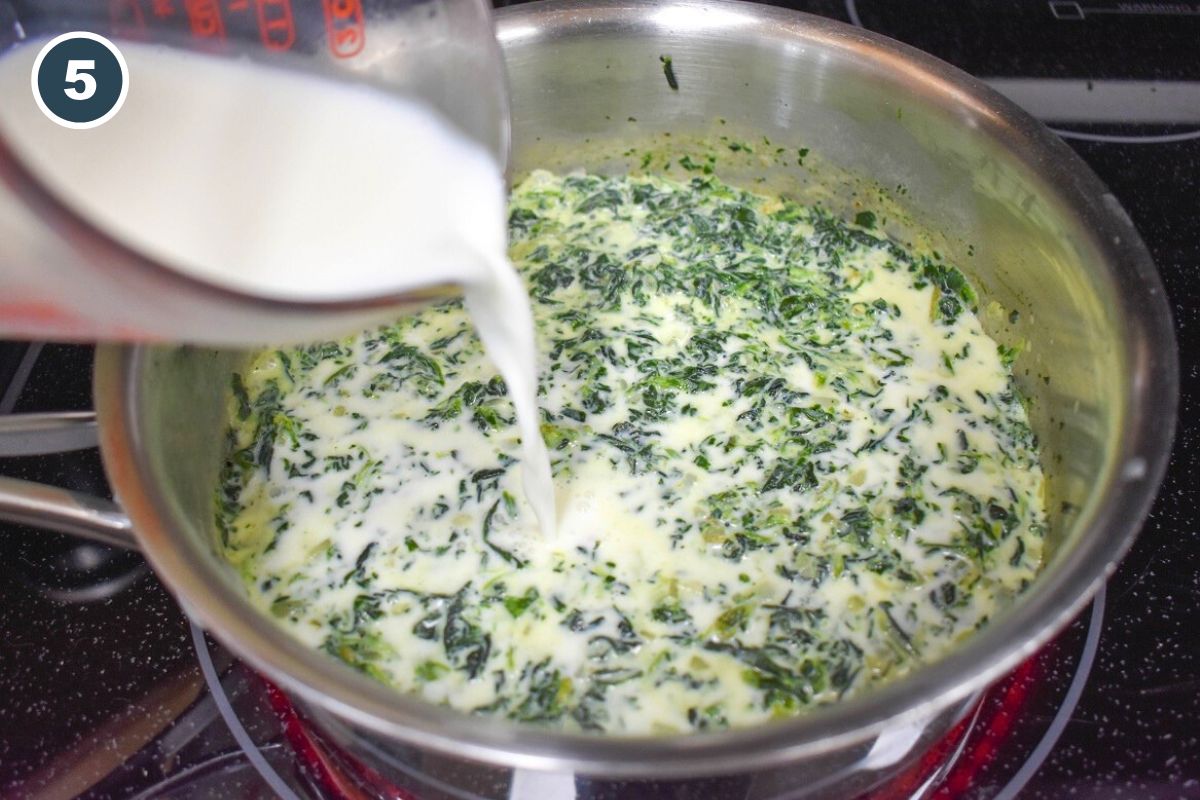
x: 76, y: 75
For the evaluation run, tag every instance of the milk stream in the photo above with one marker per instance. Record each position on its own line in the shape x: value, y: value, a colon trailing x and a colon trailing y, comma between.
x: 292, y: 186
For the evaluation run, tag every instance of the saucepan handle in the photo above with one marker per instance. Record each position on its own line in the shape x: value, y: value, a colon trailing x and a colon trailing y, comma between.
x: 39, y: 434
x: 39, y: 505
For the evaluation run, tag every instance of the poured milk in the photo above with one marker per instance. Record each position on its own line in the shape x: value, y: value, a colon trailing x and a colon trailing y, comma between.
x: 291, y: 186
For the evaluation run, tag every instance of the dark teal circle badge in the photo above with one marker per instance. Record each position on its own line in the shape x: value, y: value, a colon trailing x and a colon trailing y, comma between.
x: 80, y: 79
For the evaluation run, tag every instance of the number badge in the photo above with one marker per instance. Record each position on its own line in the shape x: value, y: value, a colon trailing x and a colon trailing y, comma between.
x: 80, y: 80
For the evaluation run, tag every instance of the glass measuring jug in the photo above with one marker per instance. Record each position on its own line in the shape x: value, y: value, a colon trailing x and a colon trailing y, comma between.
x: 64, y: 275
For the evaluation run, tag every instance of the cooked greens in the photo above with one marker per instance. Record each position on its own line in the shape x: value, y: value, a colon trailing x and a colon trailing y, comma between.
x: 789, y: 464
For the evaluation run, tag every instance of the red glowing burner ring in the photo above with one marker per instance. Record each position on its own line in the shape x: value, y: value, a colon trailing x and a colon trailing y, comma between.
x: 342, y: 776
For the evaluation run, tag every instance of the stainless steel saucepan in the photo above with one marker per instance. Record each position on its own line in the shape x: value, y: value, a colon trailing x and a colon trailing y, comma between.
x: 1008, y: 202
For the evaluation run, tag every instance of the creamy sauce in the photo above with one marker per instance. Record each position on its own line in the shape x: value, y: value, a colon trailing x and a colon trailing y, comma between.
x: 790, y: 466
x: 287, y: 185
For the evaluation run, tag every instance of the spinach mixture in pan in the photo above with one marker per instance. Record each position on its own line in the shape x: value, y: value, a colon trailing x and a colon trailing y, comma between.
x: 789, y: 464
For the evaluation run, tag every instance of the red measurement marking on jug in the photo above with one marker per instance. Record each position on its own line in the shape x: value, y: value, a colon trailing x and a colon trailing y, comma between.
x: 276, y: 27
x: 34, y: 315
x: 127, y: 18
x: 204, y: 17
x: 344, y: 25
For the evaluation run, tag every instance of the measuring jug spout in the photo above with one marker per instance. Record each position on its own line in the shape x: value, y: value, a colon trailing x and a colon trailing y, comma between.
x: 228, y: 176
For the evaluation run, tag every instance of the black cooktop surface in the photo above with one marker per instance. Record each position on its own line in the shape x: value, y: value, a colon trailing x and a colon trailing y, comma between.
x: 107, y: 691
